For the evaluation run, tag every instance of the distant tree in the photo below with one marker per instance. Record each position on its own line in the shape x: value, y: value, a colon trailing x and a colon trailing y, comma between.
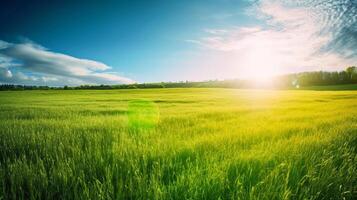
x: 351, y: 71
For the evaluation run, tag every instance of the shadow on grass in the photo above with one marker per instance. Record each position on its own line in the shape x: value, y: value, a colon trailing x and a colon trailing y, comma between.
x: 330, y: 87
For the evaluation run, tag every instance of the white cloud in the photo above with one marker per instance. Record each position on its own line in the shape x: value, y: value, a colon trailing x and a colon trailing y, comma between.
x: 51, y: 68
x: 298, y: 36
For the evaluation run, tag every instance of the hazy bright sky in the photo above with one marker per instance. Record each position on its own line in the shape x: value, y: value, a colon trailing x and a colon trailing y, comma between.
x: 87, y: 42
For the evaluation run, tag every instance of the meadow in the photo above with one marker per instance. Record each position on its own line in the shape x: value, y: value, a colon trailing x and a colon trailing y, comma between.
x: 178, y: 144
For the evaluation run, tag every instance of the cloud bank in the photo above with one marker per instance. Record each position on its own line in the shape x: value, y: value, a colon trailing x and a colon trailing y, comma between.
x: 294, y: 36
x: 31, y: 64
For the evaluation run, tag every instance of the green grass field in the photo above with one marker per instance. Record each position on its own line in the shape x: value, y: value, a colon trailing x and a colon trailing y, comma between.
x: 332, y: 87
x: 178, y: 144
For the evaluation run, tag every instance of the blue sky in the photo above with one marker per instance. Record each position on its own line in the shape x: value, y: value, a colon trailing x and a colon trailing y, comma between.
x: 88, y: 42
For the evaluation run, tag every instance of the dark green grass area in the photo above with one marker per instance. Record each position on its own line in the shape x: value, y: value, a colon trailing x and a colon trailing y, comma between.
x: 331, y: 87
x: 178, y: 144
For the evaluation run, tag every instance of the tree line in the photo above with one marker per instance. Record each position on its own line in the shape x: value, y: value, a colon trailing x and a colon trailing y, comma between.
x: 348, y: 76
x: 317, y: 78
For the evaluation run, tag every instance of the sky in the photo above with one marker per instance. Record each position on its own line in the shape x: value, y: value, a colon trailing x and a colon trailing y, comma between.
x: 60, y: 43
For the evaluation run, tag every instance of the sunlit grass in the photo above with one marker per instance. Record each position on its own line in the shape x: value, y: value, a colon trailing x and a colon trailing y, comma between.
x: 178, y: 144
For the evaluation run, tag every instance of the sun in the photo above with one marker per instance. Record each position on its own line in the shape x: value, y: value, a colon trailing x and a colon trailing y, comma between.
x: 262, y: 65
